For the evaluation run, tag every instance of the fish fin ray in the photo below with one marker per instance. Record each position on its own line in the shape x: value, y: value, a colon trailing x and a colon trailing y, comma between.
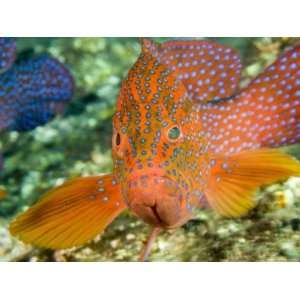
x: 235, y: 179
x: 71, y: 214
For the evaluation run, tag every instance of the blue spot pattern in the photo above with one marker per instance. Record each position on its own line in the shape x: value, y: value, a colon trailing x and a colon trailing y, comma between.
x: 33, y: 92
x: 7, y: 53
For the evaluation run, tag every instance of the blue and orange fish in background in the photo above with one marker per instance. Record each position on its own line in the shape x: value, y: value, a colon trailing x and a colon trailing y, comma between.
x: 185, y: 137
x: 32, y: 92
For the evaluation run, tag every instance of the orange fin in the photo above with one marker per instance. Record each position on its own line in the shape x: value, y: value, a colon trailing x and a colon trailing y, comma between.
x: 71, y: 214
x: 236, y: 178
x: 200, y: 65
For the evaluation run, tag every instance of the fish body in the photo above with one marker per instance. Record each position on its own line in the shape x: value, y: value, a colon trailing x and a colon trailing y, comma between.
x: 184, y: 138
x: 7, y: 53
x: 213, y: 131
x: 33, y: 91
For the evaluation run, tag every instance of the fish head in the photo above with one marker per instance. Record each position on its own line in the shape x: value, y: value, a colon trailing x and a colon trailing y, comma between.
x: 151, y: 139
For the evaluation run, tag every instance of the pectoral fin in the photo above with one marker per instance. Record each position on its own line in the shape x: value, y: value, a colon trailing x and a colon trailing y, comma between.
x: 71, y: 214
x: 235, y: 179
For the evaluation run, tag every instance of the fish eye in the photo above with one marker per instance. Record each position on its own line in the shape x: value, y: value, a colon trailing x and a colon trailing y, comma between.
x: 119, y: 143
x: 174, y: 133
x: 118, y: 139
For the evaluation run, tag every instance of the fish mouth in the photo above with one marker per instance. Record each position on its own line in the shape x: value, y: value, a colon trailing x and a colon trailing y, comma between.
x: 155, y: 199
x: 156, y: 214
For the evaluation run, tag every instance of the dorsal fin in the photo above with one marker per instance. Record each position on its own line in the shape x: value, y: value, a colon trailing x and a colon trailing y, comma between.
x: 264, y: 114
x: 208, y: 70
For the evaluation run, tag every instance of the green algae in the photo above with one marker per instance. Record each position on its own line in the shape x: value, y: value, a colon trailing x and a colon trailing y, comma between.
x: 78, y: 144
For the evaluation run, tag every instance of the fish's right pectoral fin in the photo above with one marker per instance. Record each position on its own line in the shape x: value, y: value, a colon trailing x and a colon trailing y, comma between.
x: 236, y: 178
x: 71, y: 214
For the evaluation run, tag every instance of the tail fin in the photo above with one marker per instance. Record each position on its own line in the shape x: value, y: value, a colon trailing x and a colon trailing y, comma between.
x: 265, y: 114
x: 71, y: 214
x: 33, y: 92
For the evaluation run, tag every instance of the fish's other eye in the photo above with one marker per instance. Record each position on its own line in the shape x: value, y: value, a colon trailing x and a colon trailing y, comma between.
x: 119, y: 143
x: 118, y: 139
x: 174, y: 133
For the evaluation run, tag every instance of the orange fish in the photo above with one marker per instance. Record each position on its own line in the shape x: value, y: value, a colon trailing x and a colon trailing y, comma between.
x: 184, y: 138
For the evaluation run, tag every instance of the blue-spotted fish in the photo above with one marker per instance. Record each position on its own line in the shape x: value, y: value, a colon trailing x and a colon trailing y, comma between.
x: 185, y: 137
x: 7, y: 53
x: 32, y: 92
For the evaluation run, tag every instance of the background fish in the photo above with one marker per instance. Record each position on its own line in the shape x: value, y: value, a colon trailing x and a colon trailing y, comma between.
x: 7, y: 53
x: 171, y: 151
x: 32, y: 92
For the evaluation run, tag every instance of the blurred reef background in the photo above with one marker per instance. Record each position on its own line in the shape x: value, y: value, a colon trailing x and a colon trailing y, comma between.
x: 79, y: 144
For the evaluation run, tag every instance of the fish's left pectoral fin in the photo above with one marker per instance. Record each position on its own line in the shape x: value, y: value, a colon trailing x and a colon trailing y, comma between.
x: 236, y: 178
x: 71, y: 214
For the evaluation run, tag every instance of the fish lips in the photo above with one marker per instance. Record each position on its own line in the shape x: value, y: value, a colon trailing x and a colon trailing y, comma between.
x: 156, y: 200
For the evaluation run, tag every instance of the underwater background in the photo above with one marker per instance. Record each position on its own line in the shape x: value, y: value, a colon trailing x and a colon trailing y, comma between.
x: 79, y: 144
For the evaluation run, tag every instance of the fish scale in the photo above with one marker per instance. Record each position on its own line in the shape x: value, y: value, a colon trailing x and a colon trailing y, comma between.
x: 184, y: 137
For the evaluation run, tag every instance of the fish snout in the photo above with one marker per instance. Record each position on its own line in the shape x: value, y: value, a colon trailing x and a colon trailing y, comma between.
x: 154, y: 199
